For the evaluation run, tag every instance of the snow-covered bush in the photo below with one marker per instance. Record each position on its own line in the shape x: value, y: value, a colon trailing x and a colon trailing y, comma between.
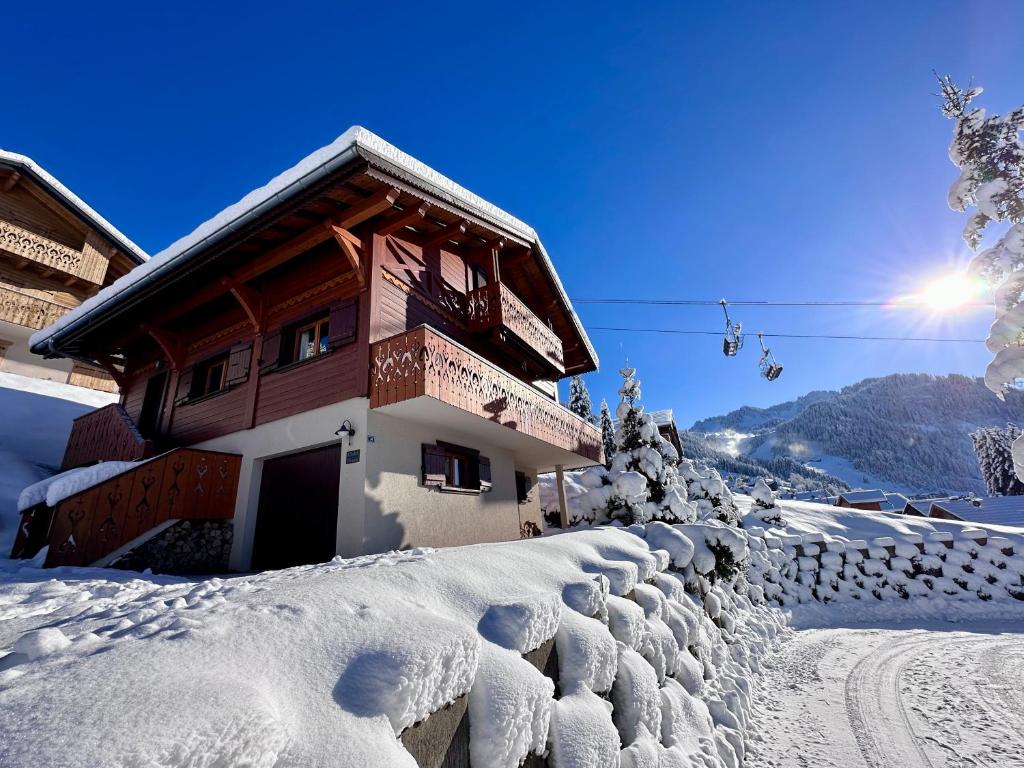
x: 764, y: 509
x: 708, y: 492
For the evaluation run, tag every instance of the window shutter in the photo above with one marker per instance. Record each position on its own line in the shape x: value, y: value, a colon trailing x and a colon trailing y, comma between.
x: 270, y: 355
x: 344, y: 316
x: 433, y: 465
x: 484, y: 472
x: 238, y: 363
x: 184, y: 385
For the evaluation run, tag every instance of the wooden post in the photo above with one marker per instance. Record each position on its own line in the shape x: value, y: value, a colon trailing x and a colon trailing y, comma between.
x: 563, y: 512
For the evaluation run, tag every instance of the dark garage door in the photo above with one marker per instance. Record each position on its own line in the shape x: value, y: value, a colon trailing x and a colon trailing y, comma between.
x: 297, y: 521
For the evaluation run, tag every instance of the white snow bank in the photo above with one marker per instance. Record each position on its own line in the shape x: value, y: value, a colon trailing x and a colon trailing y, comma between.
x: 37, y: 417
x: 63, y: 485
x: 297, y: 667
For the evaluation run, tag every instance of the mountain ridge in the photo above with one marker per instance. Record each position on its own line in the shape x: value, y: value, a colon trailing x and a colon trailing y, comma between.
x: 906, y: 432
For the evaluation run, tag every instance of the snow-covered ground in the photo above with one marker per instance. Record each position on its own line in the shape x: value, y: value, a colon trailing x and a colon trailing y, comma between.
x: 658, y: 665
x: 915, y: 697
x: 34, y: 428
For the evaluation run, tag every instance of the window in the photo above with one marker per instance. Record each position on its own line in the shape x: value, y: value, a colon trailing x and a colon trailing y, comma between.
x: 477, y: 277
x: 523, y: 485
x: 455, y: 469
x: 311, y: 339
x: 210, y: 376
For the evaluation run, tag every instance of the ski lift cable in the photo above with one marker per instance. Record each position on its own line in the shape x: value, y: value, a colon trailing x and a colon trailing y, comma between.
x: 850, y: 337
x: 769, y: 303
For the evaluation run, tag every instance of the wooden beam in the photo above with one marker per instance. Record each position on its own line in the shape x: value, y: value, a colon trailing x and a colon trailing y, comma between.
x: 107, y: 364
x: 12, y: 181
x: 168, y: 342
x: 353, y: 250
x: 70, y: 281
x: 250, y: 300
x: 367, y: 209
x: 450, y: 232
x: 403, y: 219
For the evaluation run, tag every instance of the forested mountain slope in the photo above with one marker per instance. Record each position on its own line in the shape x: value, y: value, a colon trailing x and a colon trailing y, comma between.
x: 911, y: 431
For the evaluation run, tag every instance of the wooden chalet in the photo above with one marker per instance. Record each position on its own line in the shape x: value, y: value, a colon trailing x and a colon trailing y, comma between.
x: 378, y: 345
x: 55, y: 252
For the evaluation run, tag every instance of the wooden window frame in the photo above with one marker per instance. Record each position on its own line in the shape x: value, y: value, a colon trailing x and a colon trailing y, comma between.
x: 438, y: 470
x: 320, y: 343
x: 201, y: 373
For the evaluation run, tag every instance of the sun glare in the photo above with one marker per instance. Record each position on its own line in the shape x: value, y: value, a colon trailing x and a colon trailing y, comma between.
x: 948, y: 293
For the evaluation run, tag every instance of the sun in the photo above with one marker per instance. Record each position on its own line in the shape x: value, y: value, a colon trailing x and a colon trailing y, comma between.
x: 948, y: 293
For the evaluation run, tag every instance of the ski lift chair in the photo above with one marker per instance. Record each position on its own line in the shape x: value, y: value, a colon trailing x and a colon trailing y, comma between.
x: 733, y: 340
x: 770, y: 368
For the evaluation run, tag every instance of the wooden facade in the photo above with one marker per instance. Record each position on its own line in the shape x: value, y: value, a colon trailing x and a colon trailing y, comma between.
x: 54, y: 254
x: 397, y: 262
x: 107, y: 433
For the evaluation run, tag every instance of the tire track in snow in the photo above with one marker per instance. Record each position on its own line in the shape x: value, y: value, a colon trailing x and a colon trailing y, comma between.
x: 874, y: 705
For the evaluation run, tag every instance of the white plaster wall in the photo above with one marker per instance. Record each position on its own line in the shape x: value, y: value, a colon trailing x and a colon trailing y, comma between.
x: 18, y: 359
x: 304, y: 431
x: 400, y: 512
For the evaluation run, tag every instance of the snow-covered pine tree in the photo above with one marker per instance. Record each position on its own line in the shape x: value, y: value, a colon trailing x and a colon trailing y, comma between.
x: 607, y: 433
x: 643, y: 473
x: 579, y: 399
x: 990, y: 155
x: 993, y: 446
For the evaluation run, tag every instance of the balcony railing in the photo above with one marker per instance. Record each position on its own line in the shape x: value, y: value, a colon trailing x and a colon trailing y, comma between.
x: 51, y: 254
x: 495, y: 306
x: 106, y: 434
x: 28, y: 310
x: 424, y: 362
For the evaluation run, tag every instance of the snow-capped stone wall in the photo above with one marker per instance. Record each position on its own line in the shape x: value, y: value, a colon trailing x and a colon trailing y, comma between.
x: 967, y: 566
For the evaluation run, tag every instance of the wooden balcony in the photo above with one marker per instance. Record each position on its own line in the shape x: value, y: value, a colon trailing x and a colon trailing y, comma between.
x: 106, y: 434
x: 87, y: 264
x: 423, y: 362
x: 496, y: 307
x: 25, y: 309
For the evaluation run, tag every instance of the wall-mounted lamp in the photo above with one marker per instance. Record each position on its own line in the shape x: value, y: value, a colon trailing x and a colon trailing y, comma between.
x: 347, y: 430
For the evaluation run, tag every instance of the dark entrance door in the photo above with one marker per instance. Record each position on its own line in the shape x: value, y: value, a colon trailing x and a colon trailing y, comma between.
x: 151, y: 402
x: 297, y: 520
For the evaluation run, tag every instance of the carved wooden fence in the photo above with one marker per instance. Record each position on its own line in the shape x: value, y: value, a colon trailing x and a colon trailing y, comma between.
x: 185, y: 484
x: 424, y: 362
x: 106, y: 434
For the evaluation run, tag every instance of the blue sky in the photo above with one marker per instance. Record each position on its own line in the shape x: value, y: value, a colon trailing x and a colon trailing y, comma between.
x: 662, y: 150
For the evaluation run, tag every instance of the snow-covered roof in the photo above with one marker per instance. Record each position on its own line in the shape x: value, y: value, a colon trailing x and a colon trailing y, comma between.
x: 356, y: 141
x: 896, y: 501
x: 990, y: 510
x: 863, y: 497
x: 29, y: 166
x: 662, y: 418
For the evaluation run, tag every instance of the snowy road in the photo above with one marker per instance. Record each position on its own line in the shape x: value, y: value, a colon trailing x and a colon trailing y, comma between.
x: 894, y: 697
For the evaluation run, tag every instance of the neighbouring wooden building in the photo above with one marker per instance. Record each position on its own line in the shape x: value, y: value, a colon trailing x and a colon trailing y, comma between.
x: 55, y: 252
x: 379, y: 346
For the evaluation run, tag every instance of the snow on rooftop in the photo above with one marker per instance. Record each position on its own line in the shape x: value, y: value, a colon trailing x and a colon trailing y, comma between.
x: 279, y: 188
x: 863, y: 497
x: 994, y: 510
x: 40, y: 173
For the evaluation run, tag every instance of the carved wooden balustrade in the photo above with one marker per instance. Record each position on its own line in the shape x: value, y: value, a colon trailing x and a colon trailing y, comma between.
x: 106, y: 434
x: 424, y: 362
x: 495, y: 306
x: 87, y: 264
x: 28, y: 310
x: 185, y: 484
